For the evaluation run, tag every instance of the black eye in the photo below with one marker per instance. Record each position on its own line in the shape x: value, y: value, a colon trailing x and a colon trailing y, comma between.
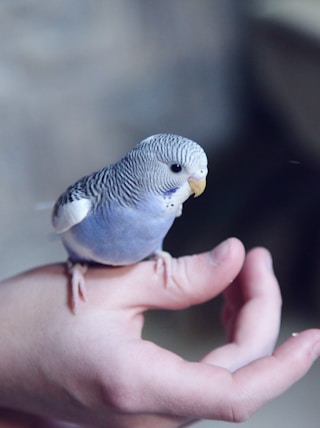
x: 176, y: 167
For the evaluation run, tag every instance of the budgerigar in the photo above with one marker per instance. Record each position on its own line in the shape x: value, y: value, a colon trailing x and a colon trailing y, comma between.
x: 120, y: 214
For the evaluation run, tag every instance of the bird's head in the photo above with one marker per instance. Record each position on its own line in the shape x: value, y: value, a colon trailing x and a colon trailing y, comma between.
x: 171, y: 165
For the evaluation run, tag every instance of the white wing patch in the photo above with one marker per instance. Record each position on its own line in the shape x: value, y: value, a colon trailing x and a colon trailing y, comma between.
x: 71, y: 214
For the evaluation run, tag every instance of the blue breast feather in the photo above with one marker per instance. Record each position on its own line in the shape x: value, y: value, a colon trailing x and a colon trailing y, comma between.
x: 117, y: 235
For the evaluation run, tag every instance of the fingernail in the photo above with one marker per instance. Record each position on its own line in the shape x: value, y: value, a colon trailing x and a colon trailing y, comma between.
x: 269, y: 262
x: 219, y: 252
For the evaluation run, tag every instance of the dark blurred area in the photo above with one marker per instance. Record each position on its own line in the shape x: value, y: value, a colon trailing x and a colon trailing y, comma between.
x: 82, y: 82
x: 264, y: 183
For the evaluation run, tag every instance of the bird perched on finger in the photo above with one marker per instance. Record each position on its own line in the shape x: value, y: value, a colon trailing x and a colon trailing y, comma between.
x: 120, y: 214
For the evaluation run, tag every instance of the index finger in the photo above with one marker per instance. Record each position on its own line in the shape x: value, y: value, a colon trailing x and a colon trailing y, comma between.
x: 194, y: 279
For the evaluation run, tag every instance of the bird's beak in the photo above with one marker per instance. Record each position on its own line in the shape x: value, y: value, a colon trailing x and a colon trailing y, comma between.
x: 197, y: 186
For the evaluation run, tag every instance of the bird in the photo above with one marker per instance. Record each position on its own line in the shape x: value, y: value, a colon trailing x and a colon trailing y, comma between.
x: 120, y: 214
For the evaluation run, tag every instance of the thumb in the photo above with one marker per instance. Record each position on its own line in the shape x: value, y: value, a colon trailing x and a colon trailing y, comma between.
x: 193, y: 280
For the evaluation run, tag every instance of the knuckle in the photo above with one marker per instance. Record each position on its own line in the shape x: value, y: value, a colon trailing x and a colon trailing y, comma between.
x: 121, y: 399
x: 239, y: 409
x: 119, y: 394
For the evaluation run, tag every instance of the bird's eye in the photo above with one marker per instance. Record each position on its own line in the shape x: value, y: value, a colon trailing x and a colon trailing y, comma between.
x: 176, y: 167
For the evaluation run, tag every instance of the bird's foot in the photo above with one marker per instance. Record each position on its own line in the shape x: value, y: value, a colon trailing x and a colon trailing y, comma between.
x: 163, y: 264
x: 78, y: 283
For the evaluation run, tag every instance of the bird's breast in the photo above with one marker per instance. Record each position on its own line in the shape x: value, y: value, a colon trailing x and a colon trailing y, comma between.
x: 117, y: 235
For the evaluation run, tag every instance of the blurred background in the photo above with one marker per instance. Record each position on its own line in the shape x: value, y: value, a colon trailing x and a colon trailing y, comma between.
x: 82, y: 82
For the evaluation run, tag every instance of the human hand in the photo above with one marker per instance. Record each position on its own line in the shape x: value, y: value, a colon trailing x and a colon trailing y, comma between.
x: 93, y: 369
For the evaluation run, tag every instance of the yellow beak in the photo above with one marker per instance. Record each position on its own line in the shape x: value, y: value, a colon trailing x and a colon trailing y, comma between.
x: 197, y: 187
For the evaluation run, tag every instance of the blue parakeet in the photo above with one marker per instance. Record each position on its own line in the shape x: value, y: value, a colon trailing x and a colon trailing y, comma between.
x: 120, y: 214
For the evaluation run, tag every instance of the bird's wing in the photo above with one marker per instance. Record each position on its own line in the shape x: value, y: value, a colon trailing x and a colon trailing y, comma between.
x: 70, y: 213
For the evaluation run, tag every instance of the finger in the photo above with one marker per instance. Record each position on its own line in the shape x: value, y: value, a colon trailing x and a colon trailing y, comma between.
x: 252, y: 282
x: 194, y: 279
x: 172, y: 385
x: 276, y: 373
x: 252, y: 313
x: 197, y: 278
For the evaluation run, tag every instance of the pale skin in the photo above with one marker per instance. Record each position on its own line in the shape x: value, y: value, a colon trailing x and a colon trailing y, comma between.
x: 93, y: 369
